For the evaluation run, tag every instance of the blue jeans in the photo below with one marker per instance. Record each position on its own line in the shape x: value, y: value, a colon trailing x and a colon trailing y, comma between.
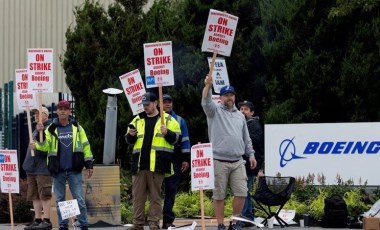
x: 74, y: 180
x: 248, y: 205
x: 171, y: 187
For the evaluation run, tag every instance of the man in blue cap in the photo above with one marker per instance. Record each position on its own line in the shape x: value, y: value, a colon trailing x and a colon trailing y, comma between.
x: 181, y: 159
x: 228, y: 133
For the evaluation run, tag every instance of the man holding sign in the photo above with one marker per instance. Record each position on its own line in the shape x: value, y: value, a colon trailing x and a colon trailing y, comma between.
x: 153, y: 146
x: 228, y: 133
x: 39, y: 179
x: 68, y: 152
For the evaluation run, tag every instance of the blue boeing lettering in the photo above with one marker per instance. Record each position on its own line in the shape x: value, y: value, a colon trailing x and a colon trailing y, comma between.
x: 343, y: 147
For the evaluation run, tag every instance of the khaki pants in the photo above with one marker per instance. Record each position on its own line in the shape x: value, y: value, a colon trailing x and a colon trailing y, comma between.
x: 147, y: 184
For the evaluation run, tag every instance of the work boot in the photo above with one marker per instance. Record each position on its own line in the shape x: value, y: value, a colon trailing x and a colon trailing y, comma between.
x: 44, y: 225
x: 35, y: 223
x: 221, y: 227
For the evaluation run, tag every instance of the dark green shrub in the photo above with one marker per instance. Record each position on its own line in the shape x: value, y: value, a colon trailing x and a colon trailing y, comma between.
x: 22, y: 212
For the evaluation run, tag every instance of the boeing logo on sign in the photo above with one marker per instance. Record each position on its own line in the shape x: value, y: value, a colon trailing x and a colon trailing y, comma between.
x: 287, y: 149
x: 343, y: 147
x: 1, y: 158
x: 287, y: 152
x: 150, y: 80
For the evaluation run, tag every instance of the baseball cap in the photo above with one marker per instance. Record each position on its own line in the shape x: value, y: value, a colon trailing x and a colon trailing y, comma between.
x: 166, y: 97
x: 248, y: 104
x: 227, y: 89
x: 43, y: 109
x: 147, y: 98
x: 63, y: 104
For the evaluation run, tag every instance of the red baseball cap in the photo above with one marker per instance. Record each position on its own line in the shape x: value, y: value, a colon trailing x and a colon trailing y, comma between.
x: 63, y: 104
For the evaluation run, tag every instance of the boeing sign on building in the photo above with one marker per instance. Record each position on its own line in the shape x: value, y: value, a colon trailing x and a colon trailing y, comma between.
x: 351, y: 150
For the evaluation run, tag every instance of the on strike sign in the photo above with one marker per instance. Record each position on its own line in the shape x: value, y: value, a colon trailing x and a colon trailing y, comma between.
x: 133, y: 87
x: 9, y: 171
x: 202, y: 167
x: 25, y: 98
x: 158, y: 64
x: 40, y: 70
x: 220, y: 32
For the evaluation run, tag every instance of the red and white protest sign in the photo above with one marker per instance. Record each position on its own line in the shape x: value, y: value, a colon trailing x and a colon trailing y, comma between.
x: 40, y: 70
x: 133, y: 87
x: 9, y: 171
x: 158, y: 59
x: 220, y: 32
x: 219, y: 74
x: 25, y: 98
x: 202, y: 167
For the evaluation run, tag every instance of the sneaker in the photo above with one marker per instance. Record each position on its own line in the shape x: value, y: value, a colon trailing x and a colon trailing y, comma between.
x: 221, y: 227
x: 235, y: 226
x: 84, y: 228
x: 167, y: 225
x: 136, y: 227
x: 43, y: 225
x: 33, y: 224
x: 63, y: 228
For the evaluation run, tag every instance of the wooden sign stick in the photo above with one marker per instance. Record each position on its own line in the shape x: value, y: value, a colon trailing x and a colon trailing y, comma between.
x: 40, y: 114
x: 210, y: 72
x: 30, y: 129
x: 202, y: 210
x: 212, y: 64
x: 161, y: 104
x: 11, y: 210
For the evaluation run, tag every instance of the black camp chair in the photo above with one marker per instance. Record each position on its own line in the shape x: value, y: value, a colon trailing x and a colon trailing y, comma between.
x: 273, y: 191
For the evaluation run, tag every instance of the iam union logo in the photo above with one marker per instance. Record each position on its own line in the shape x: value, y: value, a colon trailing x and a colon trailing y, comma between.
x: 287, y: 152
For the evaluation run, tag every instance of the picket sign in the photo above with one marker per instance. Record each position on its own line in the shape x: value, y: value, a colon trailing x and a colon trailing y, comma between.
x: 26, y: 99
x: 9, y: 176
x: 202, y: 171
x: 68, y: 208
x: 219, y: 36
x: 134, y: 88
x: 40, y: 75
x: 158, y: 60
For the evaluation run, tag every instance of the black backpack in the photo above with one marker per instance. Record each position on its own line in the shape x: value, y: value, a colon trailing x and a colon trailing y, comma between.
x: 336, y: 213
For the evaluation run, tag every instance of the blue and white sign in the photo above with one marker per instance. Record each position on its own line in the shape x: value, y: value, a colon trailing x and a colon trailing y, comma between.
x: 350, y: 150
x: 219, y: 75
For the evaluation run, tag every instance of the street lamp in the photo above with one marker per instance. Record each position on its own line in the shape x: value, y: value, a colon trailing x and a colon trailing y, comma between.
x: 110, y: 129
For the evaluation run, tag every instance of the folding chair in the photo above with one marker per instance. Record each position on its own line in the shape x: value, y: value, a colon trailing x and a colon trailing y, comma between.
x: 273, y: 191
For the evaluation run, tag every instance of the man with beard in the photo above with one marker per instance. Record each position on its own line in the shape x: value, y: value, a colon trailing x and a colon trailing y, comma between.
x: 228, y: 133
x: 153, y: 146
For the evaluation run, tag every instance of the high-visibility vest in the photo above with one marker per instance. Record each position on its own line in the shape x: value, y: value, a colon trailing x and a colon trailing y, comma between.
x: 161, y: 150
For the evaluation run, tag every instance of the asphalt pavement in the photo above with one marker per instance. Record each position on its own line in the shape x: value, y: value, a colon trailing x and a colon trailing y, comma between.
x: 210, y: 224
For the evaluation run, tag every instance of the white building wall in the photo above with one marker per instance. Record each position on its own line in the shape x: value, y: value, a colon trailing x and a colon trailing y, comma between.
x: 34, y: 24
x: 37, y: 24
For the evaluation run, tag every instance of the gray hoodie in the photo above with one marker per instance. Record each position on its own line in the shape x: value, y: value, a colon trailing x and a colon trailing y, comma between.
x: 227, y: 131
x: 36, y: 165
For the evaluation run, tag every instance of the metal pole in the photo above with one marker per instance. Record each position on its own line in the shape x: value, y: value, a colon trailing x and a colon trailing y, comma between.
x: 110, y: 131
